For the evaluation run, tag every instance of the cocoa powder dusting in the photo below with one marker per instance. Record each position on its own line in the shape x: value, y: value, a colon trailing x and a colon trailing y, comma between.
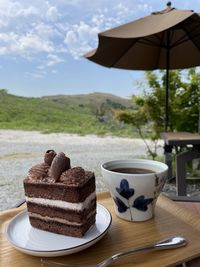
x: 73, y: 176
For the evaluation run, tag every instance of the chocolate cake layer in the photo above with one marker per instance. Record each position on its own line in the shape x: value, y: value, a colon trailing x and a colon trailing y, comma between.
x: 59, y: 198
x: 59, y: 191
x: 61, y: 228
x: 70, y: 215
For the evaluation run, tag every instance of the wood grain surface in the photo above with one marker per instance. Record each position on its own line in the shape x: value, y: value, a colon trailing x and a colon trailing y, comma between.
x: 170, y: 219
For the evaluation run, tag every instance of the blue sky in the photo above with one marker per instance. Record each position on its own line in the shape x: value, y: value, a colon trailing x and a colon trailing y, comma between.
x: 41, y: 43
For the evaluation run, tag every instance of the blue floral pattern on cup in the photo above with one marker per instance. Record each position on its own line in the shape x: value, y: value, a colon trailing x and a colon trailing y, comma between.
x: 124, y: 189
x: 140, y: 203
x: 120, y: 205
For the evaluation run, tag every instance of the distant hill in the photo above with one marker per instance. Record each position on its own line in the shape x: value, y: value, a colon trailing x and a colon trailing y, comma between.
x: 91, y: 99
x: 63, y: 113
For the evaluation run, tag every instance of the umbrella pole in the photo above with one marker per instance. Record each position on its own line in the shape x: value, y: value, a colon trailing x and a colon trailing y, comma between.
x: 166, y: 100
x: 167, y: 83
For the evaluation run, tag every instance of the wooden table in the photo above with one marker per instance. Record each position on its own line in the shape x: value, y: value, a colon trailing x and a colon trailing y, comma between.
x: 15, y: 258
x: 191, y: 142
x: 195, y: 207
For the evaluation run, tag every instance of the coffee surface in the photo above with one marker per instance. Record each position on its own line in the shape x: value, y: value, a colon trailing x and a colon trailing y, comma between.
x: 132, y: 170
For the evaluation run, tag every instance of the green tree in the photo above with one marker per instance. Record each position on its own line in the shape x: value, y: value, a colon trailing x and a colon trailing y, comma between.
x: 184, y: 100
x: 138, y: 118
x: 184, y: 104
x: 187, y: 103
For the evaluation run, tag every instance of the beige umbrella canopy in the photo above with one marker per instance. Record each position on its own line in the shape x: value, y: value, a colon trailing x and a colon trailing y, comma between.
x: 168, y: 39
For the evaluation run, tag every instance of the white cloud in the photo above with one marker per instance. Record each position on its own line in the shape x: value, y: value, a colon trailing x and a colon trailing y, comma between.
x: 3, y: 50
x: 12, y: 10
x: 144, y: 7
x: 54, y: 71
x: 36, y: 74
x: 40, y: 67
x: 74, y: 3
x: 79, y: 37
x: 26, y: 12
x: 8, y: 42
x: 52, y: 14
x: 43, y: 30
x: 53, y: 60
x: 82, y: 37
x: 33, y: 43
x: 50, y: 61
x: 44, y: 27
x: 122, y: 10
x: 24, y: 45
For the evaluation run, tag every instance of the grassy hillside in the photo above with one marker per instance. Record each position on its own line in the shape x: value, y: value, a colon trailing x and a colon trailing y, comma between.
x: 90, y: 99
x: 72, y: 114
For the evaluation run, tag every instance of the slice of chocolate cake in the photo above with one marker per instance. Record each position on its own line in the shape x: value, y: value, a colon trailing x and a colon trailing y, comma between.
x: 59, y: 198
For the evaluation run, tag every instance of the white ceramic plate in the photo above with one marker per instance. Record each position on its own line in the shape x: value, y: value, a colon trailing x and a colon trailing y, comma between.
x: 30, y: 240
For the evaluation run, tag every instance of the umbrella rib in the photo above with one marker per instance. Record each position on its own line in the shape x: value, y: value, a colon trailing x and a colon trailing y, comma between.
x: 182, y: 40
x: 161, y: 46
x: 195, y: 26
x: 123, y: 53
x: 185, y: 38
x: 192, y: 39
x: 148, y: 42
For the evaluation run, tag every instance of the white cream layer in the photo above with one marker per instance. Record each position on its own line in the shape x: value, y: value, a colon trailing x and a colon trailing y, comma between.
x: 55, y: 219
x: 63, y: 204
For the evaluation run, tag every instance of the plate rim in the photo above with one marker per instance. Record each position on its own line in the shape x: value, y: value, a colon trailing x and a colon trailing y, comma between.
x: 23, y: 249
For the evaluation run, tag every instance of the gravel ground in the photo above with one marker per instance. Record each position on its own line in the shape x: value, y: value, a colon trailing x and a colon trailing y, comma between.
x: 19, y: 150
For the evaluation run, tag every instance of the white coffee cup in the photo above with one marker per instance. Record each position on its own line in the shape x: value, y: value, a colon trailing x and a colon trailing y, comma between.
x: 134, y: 194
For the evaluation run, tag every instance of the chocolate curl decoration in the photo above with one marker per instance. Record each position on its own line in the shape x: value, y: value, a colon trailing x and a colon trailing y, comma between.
x: 38, y: 172
x: 49, y: 156
x: 59, y: 164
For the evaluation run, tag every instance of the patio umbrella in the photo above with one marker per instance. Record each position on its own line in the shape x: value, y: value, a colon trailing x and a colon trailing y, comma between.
x: 167, y: 39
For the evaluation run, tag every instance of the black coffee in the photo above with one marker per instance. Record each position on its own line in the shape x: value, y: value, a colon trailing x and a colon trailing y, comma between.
x: 132, y: 170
